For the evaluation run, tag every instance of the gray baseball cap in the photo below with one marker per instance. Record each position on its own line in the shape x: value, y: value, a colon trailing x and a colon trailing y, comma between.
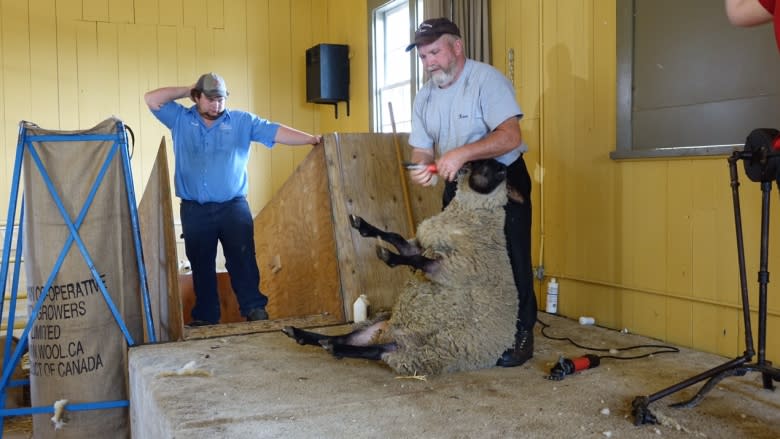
x: 212, y: 85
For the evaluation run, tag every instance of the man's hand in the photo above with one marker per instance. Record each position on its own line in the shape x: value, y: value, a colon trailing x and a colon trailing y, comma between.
x: 423, y: 176
x: 449, y: 164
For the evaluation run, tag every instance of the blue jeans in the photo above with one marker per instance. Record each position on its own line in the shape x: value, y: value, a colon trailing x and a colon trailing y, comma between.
x: 231, y: 224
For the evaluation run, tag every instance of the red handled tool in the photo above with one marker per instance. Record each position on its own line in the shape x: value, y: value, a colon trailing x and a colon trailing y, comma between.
x: 415, y: 166
x: 567, y: 366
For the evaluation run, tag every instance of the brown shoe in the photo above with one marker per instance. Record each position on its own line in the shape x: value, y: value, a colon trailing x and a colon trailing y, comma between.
x: 522, y: 351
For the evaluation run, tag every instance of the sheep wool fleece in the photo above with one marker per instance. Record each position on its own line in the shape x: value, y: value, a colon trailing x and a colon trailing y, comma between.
x: 461, y: 317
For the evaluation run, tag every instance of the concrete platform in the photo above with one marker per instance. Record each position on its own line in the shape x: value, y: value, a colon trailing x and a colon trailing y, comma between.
x: 266, y: 386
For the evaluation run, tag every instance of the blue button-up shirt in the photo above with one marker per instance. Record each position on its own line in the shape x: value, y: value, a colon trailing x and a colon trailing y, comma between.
x: 211, y: 163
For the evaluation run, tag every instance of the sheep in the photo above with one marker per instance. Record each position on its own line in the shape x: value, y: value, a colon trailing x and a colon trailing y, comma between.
x: 461, y: 315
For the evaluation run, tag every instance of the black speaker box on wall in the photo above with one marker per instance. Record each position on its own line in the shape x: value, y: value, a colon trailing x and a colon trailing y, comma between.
x: 327, y: 74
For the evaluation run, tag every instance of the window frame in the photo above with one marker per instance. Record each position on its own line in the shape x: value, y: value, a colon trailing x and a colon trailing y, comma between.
x: 375, y: 8
x: 624, y: 147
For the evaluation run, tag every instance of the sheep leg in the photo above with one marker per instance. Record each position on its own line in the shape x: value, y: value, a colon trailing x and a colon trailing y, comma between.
x: 368, y: 230
x: 371, y: 352
x: 358, y: 337
x: 303, y: 337
x: 420, y: 262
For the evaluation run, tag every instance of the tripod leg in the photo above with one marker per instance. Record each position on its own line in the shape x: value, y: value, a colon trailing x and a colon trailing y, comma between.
x: 749, y: 352
x: 693, y: 402
x: 763, y: 279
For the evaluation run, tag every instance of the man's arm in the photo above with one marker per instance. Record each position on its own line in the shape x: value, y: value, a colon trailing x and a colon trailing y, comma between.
x: 291, y: 136
x: 747, y: 12
x: 157, y: 98
x: 504, y: 138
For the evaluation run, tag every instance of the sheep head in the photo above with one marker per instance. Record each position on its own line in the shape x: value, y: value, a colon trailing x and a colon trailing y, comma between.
x: 483, y: 184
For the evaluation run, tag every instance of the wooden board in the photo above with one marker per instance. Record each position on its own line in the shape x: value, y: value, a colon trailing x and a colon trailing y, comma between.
x: 155, y: 216
x: 295, y: 246
x: 365, y: 180
x: 311, y: 260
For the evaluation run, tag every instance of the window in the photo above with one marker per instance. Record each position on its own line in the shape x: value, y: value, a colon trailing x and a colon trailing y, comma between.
x: 395, y: 72
x: 690, y: 83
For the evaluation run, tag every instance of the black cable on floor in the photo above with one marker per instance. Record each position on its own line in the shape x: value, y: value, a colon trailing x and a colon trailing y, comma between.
x: 660, y: 349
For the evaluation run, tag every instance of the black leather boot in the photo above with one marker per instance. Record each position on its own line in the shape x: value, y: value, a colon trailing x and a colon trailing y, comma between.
x: 522, y: 351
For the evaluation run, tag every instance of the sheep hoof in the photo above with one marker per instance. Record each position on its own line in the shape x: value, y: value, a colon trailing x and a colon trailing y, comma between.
x: 365, y: 229
x: 383, y: 253
x: 291, y: 332
x: 355, y: 221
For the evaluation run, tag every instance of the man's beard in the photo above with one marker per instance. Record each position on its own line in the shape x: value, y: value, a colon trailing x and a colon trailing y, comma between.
x: 442, y: 78
x: 206, y: 115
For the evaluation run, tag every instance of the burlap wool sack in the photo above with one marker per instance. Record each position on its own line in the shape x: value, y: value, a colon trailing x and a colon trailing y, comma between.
x: 77, y: 351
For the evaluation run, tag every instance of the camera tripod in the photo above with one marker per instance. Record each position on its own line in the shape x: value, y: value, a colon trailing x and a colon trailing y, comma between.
x: 762, y: 164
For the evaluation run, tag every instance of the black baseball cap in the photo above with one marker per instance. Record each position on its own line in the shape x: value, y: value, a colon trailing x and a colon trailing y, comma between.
x: 430, y: 30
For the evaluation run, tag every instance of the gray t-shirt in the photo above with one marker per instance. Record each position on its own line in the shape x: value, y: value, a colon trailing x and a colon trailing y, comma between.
x: 466, y: 111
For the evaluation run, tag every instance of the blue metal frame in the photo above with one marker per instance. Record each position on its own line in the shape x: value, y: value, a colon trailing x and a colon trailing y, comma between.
x: 9, y: 364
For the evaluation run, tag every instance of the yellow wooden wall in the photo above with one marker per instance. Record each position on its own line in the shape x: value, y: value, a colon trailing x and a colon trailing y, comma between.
x: 68, y: 64
x: 647, y: 245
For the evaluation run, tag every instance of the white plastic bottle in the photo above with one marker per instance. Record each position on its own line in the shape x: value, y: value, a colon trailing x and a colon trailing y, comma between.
x: 552, y: 296
x: 360, y: 309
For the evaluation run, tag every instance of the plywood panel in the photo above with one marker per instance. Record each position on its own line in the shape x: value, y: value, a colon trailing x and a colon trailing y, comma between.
x: 364, y: 180
x: 159, y: 244
x: 295, y: 245
x: 311, y: 260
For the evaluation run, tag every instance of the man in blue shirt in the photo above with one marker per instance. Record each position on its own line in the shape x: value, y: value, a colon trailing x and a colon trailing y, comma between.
x: 211, y: 145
